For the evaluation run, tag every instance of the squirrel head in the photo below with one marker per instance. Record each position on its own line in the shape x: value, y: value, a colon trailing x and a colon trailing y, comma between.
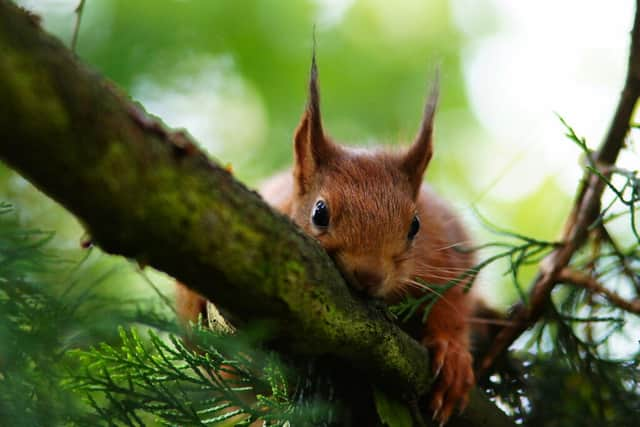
x: 361, y: 205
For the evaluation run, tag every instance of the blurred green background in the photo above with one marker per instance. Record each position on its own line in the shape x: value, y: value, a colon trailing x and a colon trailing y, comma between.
x: 233, y: 73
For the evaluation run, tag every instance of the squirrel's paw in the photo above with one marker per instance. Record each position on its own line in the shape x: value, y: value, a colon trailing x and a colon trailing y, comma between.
x: 452, y: 366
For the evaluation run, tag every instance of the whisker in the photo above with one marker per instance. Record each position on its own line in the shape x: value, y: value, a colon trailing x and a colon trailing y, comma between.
x: 401, y: 290
x: 403, y: 258
x: 445, y: 273
x: 445, y: 276
x: 481, y: 320
x: 453, y: 245
x: 442, y: 279
x: 441, y: 274
x: 425, y: 264
x: 422, y: 286
x: 433, y: 267
x: 466, y: 244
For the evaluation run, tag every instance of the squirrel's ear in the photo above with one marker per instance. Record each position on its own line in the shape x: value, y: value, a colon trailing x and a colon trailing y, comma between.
x: 311, y: 148
x: 415, y: 161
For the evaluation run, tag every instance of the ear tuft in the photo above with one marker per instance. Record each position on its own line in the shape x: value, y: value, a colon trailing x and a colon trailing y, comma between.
x: 313, y: 104
x: 312, y: 149
x: 415, y: 161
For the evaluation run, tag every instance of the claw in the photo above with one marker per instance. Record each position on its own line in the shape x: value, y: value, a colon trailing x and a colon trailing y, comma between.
x: 451, y: 365
x: 436, y: 374
x: 446, y: 411
x: 462, y: 404
x: 439, y: 355
x: 436, y: 406
x: 435, y: 414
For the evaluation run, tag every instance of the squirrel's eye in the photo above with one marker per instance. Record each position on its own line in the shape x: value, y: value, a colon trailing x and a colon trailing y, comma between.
x: 414, y: 228
x: 320, y: 215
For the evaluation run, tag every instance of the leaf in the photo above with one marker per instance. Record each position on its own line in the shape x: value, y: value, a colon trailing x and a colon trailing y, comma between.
x: 392, y: 412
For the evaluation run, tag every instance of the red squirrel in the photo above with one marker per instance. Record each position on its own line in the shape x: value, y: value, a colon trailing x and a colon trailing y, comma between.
x: 384, y: 229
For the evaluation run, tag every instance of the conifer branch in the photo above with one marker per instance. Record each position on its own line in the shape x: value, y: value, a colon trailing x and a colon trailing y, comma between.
x: 585, y: 212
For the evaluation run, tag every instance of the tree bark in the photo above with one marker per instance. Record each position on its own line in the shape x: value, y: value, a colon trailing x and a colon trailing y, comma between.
x: 152, y: 195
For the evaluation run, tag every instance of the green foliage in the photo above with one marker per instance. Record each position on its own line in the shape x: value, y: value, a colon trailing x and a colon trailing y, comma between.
x: 35, y: 331
x: 571, y: 369
x: 589, y: 398
x: 176, y: 384
x: 65, y: 359
x: 262, y: 52
x: 392, y: 413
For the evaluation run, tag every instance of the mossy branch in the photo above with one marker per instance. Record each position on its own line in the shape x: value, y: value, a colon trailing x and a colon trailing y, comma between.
x: 152, y: 195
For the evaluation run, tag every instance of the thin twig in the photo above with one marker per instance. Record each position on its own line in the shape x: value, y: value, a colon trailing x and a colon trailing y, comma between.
x: 585, y: 211
x: 76, y: 28
x: 578, y: 278
x: 622, y: 258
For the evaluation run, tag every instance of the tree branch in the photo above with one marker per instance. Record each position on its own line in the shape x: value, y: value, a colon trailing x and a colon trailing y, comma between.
x: 585, y: 210
x: 570, y: 276
x: 151, y: 195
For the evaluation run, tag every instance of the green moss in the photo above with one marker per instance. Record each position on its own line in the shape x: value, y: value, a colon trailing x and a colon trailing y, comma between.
x: 294, y: 271
x: 33, y: 90
x: 111, y: 168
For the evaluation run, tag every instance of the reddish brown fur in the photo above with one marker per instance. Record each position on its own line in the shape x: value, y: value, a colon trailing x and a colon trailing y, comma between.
x: 372, y: 197
x: 189, y: 305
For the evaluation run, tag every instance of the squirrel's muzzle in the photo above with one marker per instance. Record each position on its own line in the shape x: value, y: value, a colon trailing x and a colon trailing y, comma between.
x: 368, y: 281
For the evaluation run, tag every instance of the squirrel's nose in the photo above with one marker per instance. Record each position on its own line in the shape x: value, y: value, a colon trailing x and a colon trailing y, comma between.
x: 368, y: 280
